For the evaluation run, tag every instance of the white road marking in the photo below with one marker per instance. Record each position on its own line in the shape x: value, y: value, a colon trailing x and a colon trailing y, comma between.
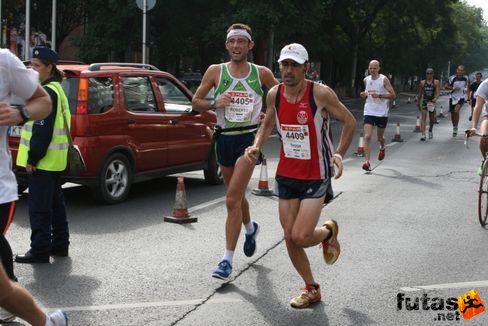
x: 207, y: 204
x: 145, y: 304
x: 475, y: 284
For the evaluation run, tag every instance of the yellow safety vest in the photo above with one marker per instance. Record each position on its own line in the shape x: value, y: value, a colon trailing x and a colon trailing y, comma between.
x: 57, y: 152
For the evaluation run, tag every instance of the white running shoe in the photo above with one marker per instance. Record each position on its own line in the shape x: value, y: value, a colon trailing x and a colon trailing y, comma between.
x: 5, y: 316
x: 58, y: 318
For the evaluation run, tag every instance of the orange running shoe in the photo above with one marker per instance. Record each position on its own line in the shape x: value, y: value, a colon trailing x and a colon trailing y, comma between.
x: 381, y: 154
x: 331, y: 248
x: 310, y: 294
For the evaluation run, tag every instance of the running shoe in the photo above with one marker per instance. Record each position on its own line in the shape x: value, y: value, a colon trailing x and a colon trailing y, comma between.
x: 331, y: 248
x: 5, y: 316
x: 58, y: 318
x: 250, y: 243
x: 223, y: 271
x: 310, y: 294
x: 422, y: 138
x: 454, y: 131
x: 366, y: 166
x: 381, y: 154
x: 431, y: 135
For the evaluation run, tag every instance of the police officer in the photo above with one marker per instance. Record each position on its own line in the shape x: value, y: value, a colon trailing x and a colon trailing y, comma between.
x: 43, y: 152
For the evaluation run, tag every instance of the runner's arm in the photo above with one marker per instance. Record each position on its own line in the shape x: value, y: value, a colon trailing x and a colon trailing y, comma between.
x: 480, y: 103
x: 199, y: 102
x: 267, y: 78
x: 391, y: 95
x: 252, y: 152
x: 437, y: 86
x: 327, y: 99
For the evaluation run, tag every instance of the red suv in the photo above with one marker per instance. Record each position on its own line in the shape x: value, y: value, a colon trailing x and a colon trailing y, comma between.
x: 132, y: 122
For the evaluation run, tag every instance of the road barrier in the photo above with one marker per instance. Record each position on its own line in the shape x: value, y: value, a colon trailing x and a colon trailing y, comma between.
x: 180, y: 210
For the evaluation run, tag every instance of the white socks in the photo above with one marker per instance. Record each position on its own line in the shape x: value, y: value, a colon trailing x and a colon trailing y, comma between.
x: 228, y: 255
x: 249, y: 227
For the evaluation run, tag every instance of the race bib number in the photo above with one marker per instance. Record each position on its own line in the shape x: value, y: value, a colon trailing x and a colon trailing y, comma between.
x: 296, y: 141
x: 241, y: 107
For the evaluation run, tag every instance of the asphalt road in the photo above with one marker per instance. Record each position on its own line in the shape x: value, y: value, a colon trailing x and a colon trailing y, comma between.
x: 409, y: 233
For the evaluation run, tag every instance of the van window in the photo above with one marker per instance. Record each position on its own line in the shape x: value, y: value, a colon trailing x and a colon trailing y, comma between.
x: 175, y: 101
x: 100, y: 95
x: 138, y: 94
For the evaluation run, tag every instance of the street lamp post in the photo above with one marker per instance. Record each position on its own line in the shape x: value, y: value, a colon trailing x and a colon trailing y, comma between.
x: 53, y: 27
x: 145, y: 5
x: 144, y: 11
x: 27, y: 30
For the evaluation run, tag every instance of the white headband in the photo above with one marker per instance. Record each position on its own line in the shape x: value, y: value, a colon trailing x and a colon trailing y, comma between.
x: 239, y: 32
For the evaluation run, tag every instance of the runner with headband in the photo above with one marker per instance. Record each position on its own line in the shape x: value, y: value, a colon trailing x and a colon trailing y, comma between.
x: 238, y: 102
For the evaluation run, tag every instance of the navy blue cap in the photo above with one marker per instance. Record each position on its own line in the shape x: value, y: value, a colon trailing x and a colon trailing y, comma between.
x: 45, y: 53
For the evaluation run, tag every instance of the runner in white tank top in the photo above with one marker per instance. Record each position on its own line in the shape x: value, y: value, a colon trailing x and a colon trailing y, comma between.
x: 378, y: 93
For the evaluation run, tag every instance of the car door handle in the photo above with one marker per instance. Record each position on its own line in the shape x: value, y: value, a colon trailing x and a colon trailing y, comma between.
x: 173, y: 122
x: 131, y: 121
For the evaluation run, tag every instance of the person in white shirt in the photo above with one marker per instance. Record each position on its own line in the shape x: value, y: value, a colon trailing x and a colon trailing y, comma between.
x: 378, y: 93
x: 458, y: 84
x: 16, y: 79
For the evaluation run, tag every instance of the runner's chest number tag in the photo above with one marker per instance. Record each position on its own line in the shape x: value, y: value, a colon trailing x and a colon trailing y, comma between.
x: 296, y: 141
x: 241, y: 107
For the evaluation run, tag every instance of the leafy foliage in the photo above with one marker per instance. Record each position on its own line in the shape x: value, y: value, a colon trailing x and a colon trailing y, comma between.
x: 343, y: 35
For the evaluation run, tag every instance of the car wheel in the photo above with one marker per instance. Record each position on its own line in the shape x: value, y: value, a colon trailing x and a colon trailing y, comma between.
x: 115, y: 180
x: 213, y: 174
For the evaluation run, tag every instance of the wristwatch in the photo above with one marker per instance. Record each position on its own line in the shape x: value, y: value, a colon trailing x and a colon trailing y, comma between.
x: 212, y: 104
x: 24, y: 113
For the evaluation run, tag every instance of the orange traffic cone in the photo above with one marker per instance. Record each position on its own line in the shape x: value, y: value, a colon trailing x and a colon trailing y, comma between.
x: 180, y: 210
x: 397, y: 137
x: 263, y: 187
x: 360, y: 150
x: 441, y: 113
x: 417, y: 125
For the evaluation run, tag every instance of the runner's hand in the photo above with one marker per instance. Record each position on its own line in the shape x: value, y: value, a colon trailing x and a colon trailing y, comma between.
x: 9, y: 116
x: 252, y: 153
x: 336, y: 162
x: 470, y: 132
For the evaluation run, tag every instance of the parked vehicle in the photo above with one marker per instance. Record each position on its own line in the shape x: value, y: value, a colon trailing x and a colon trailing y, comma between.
x: 132, y: 122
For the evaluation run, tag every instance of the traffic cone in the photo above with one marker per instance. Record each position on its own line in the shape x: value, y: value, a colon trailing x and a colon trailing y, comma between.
x: 360, y: 150
x: 180, y: 210
x: 417, y: 125
x: 263, y: 187
x: 397, y: 138
x: 441, y: 113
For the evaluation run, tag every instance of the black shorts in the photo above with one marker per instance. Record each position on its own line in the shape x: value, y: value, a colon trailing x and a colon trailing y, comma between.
x: 452, y: 106
x: 7, y: 211
x: 230, y: 147
x: 288, y: 188
x: 379, y: 122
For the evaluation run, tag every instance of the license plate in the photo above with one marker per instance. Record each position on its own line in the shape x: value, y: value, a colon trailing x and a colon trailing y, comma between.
x: 14, y: 131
